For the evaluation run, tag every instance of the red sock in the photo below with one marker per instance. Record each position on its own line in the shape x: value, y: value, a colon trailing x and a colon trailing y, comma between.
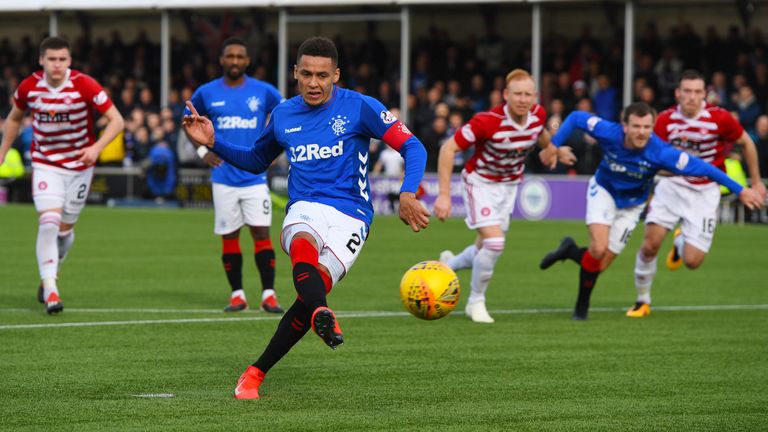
x: 301, y: 250
x: 590, y: 263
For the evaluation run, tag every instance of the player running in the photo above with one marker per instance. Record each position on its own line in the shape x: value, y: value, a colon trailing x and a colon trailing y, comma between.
x: 502, y: 138
x: 239, y: 106
x: 64, y: 150
x: 325, y: 132
x: 617, y: 193
x: 702, y: 130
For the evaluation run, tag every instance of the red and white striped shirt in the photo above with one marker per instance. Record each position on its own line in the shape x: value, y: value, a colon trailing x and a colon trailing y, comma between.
x: 705, y: 135
x: 62, y: 120
x: 501, y: 144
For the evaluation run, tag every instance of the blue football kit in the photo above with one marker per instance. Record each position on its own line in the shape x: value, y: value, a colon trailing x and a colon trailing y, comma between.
x: 628, y: 174
x: 238, y: 115
x: 328, y: 150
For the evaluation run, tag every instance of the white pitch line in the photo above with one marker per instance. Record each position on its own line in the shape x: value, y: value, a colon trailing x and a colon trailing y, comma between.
x: 357, y: 314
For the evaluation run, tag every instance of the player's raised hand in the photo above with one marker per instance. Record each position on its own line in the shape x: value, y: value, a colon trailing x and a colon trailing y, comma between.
x: 199, y: 129
x: 442, y: 207
x: 751, y: 199
x: 88, y: 155
x: 412, y: 212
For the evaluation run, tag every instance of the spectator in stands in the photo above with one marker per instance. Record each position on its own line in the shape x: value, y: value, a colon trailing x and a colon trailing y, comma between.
x: 747, y: 107
x: 606, y: 100
x: 432, y: 140
x: 160, y: 170
x: 760, y: 137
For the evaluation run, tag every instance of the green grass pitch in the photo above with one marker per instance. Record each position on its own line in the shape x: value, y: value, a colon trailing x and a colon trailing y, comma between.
x: 143, y: 289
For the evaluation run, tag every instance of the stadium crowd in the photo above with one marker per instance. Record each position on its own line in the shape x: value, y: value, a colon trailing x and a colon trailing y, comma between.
x: 451, y: 80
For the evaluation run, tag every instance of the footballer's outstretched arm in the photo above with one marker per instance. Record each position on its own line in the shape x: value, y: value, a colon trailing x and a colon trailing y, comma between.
x: 682, y: 163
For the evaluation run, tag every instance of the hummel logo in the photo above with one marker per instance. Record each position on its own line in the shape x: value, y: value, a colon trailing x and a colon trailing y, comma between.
x: 292, y: 130
x: 218, y: 103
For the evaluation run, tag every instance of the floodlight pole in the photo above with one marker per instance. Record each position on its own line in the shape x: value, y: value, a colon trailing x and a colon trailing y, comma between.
x: 53, y: 23
x: 629, y: 47
x: 165, y: 57
x: 536, y: 44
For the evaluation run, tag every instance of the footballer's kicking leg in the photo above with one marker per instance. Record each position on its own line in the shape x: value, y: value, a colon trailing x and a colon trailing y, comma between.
x: 312, y: 281
x: 483, y: 263
x: 48, y: 259
x: 645, y: 269
x: 264, y: 256
x: 292, y: 327
x: 232, y: 260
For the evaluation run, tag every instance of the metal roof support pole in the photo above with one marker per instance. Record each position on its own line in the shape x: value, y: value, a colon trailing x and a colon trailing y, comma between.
x: 282, y: 53
x: 629, y: 50
x: 53, y: 23
x: 405, y: 61
x: 165, y: 57
x: 536, y: 43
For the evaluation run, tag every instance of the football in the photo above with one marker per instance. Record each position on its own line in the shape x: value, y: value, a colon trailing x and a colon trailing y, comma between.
x: 429, y: 290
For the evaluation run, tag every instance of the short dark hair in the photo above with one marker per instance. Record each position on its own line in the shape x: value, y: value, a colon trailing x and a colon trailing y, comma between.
x: 318, y: 46
x: 54, y: 43
x: 233, y: 41
x: 690, y: 74
x: 640, y: 109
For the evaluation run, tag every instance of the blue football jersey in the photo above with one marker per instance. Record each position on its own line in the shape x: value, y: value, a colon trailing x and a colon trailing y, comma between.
x: 628, y: 174
x: 238, y: 115
x: 327, y: 148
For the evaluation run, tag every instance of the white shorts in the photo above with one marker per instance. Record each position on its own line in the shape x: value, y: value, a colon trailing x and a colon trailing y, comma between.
x: 61, y: 189
x: 601, y: 209
x: 487, y: 203
x: 339, y: 237
x: 695, y: 205
x: 238, y: 206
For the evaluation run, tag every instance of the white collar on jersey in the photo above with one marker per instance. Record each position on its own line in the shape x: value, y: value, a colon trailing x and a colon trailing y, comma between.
x: 702, y: 112
x: 528, y: 120
x: 64, y: 84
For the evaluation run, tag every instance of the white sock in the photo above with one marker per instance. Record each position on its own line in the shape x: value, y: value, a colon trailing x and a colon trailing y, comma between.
x: 482, y: 267
x: 680, y: 245
x: 238, y: 293
x: 64, y: 240
x: 49, y: 286
x: 266, y: 293
x: 464, y: 259
x: 645, y: 271
x: 46, y: 248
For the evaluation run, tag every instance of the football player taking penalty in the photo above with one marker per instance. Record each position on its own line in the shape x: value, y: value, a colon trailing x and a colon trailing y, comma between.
x: 325, y: 133
x: 618, y: 191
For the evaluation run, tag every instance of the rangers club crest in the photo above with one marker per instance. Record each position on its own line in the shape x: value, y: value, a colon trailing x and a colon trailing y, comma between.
x: 387, y: 117
x: 253, y: 103
x: 339, y: 124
